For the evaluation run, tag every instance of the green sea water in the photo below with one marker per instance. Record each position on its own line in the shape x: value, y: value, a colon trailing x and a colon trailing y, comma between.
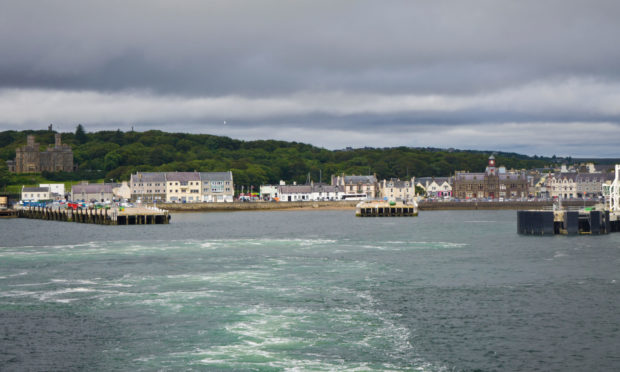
x: 307, y: 291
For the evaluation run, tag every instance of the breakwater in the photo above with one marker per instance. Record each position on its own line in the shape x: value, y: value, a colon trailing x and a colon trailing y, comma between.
x: 134, y: 216
x: 249, y: 206
x: 567, y: 222
x: 493, y: 205
x: 309, y: 205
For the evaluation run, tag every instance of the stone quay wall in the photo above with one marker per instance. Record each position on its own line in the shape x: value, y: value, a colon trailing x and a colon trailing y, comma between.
x: 250, y: 206
x: 492, y: 205
x: 350, y: 205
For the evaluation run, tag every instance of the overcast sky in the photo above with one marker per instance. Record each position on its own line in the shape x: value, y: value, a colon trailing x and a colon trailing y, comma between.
x: 534, y: 77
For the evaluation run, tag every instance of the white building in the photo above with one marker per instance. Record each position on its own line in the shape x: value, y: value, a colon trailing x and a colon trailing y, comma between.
x: 270, y: 192
x: 55, y: 188
x: 292, y: 193
x: 36, y: 193
x: 122, y: 191
x: 436, y: 187
x: 312, y: 192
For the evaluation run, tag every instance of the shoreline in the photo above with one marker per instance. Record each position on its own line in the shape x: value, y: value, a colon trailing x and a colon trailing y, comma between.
x: 350, y: 205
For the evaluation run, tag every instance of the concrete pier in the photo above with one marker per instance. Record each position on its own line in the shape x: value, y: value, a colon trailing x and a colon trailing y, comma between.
x: 129, y: 216
x: 583, y: 222
x: 385, y: 209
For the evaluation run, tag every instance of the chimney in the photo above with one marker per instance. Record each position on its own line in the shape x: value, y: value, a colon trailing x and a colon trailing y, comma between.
x: 30, y: 141
x: 58, y: 140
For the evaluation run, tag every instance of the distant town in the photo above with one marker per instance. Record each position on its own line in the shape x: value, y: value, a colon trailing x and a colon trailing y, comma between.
x: 496, y: 183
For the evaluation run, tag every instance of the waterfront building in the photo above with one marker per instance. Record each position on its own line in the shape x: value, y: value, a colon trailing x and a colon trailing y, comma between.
x: 122, y: 191
x: 395, y: 189
x: 29, y: 159
x: 217, y: 187
x: 324, y: 192
x: 92, y: 192
x: 148, y: 187
x: 563, y: 185
x: 183, y: 187
x: 357, y: 187
x: 270, y: 192
x: 436, y: 187
x: 35, y: 193
x: 590, y: 185
x: 492, y: 183
x: 56, y: 189
x: 292, y: 193
x: 311, y: 192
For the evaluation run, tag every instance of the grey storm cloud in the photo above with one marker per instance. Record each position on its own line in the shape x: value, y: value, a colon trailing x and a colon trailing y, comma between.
x: 355, y: 69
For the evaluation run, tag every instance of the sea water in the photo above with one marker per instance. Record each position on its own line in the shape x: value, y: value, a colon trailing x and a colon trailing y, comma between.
x: 307, y: 291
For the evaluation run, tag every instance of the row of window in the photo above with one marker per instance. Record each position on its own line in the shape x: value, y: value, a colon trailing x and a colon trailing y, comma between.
x: 191, y: 183
x: 191, y: 191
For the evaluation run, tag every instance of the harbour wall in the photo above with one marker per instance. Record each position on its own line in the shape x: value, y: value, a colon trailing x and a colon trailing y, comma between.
x: 492, y: 205
x: 310, y: 205
x: 249, y: 206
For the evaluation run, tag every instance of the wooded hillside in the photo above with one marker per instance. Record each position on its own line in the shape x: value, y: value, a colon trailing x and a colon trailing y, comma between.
x: 116, y: 154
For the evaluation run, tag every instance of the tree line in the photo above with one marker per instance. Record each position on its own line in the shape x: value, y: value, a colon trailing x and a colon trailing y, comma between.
x: 114, y: 155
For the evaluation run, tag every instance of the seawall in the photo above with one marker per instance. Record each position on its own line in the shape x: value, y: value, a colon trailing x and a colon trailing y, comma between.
x: 491, y: 205
x: 346, y: 205
x: 261, y: 206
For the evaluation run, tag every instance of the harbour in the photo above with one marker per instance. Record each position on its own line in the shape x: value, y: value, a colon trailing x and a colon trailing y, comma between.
x: 307, y: 290
x: 602, y: 218
x: 102, y: 216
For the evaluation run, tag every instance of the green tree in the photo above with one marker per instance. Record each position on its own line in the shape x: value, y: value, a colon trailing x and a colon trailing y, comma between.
x: 80, y: 134
x: 5, y: 176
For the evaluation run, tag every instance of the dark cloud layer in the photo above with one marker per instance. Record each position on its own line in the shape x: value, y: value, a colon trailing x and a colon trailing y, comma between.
x: 245, y: 51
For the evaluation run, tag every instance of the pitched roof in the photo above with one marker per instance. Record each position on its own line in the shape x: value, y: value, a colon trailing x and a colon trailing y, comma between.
x: 513, y: 176
x: 182, y: 176
x: 360, y: 179
x: 35, y: 189
x: 148, y: 177
x: 92, y: 188
x: 216, y: 176
x: 292, y: 189
x: 566, y: 175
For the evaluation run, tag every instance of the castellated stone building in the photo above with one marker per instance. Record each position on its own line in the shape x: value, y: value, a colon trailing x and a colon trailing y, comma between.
x: 28, y: 158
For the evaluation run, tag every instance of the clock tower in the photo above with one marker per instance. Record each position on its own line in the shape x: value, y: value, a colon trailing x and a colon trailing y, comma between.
x: 491, y: 167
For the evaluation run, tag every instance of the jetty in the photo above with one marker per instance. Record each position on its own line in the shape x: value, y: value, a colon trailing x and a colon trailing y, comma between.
x: 386, y: 209
x: 596, y: 220
x: 103, y: 216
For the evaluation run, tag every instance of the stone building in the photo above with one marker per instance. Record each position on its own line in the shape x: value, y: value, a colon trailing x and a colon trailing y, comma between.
x: 182, y: 187
x: 97, y: 192
x: 148, y: 187
x: 493, y: 183
x: 357, y: 187
x: 395, y: 189
x: 29, y: 159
